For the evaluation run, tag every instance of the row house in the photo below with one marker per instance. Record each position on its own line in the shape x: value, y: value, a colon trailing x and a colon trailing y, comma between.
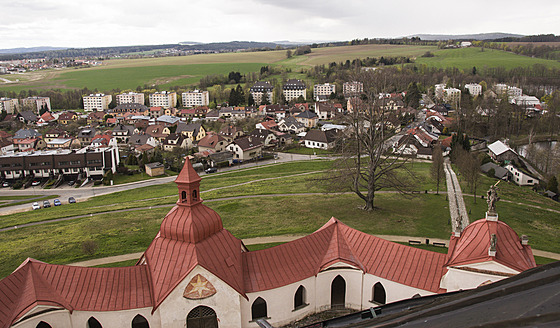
x: 87, y: 162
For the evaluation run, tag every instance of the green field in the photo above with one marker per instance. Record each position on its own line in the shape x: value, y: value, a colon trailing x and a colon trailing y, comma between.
x: 466, y: 58
x: 187, y: 70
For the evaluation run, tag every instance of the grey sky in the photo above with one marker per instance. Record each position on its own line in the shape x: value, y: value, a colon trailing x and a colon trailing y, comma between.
x: 77, y: 23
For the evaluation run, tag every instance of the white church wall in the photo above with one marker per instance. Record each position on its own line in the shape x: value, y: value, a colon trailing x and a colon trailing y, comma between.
x: 491, y: 266
x: 280, y: 303
x: 456, y: 279
x: 394, y: 291
x: 114, y: 319
x: 58, y: 318
x: 353, y: 279
x: 175, y: 308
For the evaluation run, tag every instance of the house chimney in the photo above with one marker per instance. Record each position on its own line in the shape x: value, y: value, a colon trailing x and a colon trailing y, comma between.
x: 524, y: 240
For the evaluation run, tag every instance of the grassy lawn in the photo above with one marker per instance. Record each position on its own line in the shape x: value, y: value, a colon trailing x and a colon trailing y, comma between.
x: 308, y: 151
x: 466, y: 58
x: 120, y: 179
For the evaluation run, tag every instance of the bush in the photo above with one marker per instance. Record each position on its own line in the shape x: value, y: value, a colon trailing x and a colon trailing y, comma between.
x: 491, y: 173
x: 97, y: 182
x: 18, y: 184
x: 428, y: 54
x: 89, y: 247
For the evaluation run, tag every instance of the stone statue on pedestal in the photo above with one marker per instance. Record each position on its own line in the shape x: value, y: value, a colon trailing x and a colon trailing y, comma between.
x: 492, y: 198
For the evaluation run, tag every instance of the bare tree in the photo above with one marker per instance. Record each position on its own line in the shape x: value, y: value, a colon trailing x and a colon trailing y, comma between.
x: 365, y: 166
x: 437, y: 166
x: 469, y: 166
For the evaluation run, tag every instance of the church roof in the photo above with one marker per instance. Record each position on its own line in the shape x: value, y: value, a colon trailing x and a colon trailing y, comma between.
x: 336, y: 242
x: 473, y: 244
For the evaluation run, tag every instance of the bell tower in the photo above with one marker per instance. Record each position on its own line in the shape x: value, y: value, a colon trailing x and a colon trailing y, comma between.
x: 188, y: 183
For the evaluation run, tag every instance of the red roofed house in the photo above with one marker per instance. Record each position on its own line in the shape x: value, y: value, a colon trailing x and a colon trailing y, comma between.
x: 197, y: 273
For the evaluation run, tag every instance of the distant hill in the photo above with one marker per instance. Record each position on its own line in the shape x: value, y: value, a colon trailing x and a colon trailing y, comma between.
x: 27, y: 50
x: 479, y: 36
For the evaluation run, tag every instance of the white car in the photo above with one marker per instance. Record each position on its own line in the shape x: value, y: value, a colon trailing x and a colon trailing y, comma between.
x: 35, y: 206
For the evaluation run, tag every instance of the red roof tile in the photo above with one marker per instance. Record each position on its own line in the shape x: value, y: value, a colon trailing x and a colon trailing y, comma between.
x: 473, y: 244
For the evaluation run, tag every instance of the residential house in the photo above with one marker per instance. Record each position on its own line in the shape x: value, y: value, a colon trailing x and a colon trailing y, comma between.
x: 137, y: 140
x: 230, y: 132
x: 500, y: 152
x: 167, y: 120
x: 60, y: 143
x: 276, y: 111
x: 6, y: 146
x: 176, y: 140
x: 67, y: 117
x: 320, y: 139
x: 95, y: 117
x: 325, y: 111
x: 54, y: 134
x: 267, y: 125
x: 194, y: 131
x: 520, y: 176
x: 293, y: 89
x: 212, y: 141
x: 499, y: 172
x: 213, y: 115
x: 46, y: 118
x: 27, y: 117
x: 307, y: 118
x: 155, y: 112
x: 232, y: 114
x: 221, y: 158
x: 158, y: 131
x: 266, y: 137
x: 245, y: 148
x: 290, y: 124
x: 86, y: 135
x: 122, y: 132
x: 103, y: 140
x: 28, y: 139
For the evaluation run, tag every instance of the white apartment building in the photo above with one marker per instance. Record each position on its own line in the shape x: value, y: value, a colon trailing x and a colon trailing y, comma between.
x: 352, y: 88
x: 98, y: 101
x: 130, y: 98
x: 8, y: 105
x: 293, y: 89
x: 475, y: 89
x: 37, y: 102
x: 451, y: 95
x: 163, y: 99
x: 515, y: 92
x: 195, y: 98
x: 322, y: 91
x: 259, y: 89
x: 501, y: 89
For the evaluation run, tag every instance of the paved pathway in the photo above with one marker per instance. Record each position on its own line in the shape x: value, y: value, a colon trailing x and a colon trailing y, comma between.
x: 457, y: 207
x: 288, y: 238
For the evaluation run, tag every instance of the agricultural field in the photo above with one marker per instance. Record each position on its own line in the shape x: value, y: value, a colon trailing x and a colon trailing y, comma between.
x: 187, y: 70
x: 294, y: 203
x: 466, y: 58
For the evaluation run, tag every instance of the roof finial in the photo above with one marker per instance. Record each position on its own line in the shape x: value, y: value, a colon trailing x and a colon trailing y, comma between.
x: 491, y: 214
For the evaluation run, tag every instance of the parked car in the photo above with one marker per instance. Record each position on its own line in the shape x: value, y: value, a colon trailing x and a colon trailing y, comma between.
x: 211, y: 170
x: 46, y: 204
x: 35, y: 206
x: 5, y: 184
x: 57, y: 202
x: 71, y: 183
x: 36, y: 183
x: 71, y: 200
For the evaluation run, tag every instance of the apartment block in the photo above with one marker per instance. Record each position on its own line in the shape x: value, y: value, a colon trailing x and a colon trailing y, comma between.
x: 323, y: 91
x: 98, y: 101
x: 9, y: 105
x: 130, y: 98
x: 163, y: 99
x: 260, y: 89
x: 475, y: 89
x: 195, y: 98
x: 293, y: 88
x: 37, y: 102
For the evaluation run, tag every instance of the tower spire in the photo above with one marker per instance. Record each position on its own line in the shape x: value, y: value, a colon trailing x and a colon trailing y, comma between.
x: 188, y: 183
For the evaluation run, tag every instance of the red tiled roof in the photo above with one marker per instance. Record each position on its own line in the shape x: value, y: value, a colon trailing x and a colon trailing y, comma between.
x: 472, y: 246
x: 335, y: 241
x: 73, y: 288
x: 210, y: 140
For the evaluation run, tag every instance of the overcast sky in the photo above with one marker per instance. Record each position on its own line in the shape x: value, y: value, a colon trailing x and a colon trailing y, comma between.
x: 77, y: 23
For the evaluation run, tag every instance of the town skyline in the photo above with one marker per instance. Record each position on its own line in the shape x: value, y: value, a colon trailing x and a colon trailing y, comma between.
x: 142, y: 23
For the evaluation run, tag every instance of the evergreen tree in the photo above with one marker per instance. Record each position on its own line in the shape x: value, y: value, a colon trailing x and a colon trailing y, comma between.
x: 552, y: 184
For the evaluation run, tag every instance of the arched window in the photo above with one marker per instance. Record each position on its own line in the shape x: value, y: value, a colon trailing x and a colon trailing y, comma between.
x: 299, y: 297
x: 258, y: 309
x: 93, y: 323
x: 338, y: 292
x: 202, y: 317
x: 140, y: 322
x: 194, y: 195
x: 379, y: 293
x: 43, y: 324
x: 184, y: 196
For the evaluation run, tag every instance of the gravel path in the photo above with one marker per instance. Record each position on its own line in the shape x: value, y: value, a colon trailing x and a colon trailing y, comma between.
x: 457, y: 207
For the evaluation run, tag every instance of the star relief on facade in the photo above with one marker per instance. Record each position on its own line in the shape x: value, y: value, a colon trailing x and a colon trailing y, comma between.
x: 199, y: 288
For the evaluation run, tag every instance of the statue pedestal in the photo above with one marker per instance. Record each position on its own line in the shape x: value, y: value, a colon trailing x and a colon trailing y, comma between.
x: 491, y: 216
